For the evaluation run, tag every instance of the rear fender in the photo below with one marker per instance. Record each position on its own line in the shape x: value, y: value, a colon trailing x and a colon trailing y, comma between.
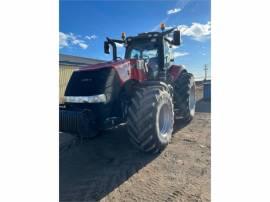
x: 175, y: 71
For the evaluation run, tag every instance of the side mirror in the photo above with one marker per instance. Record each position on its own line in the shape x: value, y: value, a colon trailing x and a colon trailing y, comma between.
x: 106, y: 47
x: 176, y: 38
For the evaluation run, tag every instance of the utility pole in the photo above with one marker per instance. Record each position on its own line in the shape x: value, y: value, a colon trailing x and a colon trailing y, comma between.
x: 205, y: 72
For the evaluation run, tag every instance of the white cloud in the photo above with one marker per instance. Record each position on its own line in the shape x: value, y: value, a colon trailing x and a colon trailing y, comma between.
x: 173, y: 11
x: 76, y: 41
x: 197, y: 31
x: 69, y: 40
x: 180, y: 54
x: 63, y: 40
x: 83, y: 45
x: 90, y: 37
x: 119, y: 45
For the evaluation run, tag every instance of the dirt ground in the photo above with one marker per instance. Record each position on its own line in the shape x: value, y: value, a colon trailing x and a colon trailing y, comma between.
x: 109, y: 168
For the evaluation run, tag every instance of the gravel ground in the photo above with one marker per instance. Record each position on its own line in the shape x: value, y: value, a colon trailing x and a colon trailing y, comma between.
x: 109, y: 168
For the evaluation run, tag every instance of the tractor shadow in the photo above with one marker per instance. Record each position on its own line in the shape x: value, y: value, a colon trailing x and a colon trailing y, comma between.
x: 91, y: 169
x: 202, y: 105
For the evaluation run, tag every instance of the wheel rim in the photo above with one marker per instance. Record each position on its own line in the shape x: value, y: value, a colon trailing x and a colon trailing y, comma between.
x: 165, y: 120
x: 192, y: 98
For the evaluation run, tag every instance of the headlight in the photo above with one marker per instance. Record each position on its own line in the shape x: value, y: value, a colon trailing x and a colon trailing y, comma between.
x: 86, y: 99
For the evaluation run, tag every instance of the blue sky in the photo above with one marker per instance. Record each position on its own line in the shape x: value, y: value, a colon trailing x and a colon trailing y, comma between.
x: 85, y: 24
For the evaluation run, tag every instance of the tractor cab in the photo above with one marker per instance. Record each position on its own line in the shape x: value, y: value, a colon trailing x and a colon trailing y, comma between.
x: 154, y: 48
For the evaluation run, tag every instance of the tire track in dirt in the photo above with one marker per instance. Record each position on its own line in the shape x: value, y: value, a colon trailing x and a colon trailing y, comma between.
x: 108, y: 168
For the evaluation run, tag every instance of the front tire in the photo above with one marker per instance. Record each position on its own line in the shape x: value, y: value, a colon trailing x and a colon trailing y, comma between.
x: 150, y: 119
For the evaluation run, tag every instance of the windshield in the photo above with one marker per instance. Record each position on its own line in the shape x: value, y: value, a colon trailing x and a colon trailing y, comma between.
x: 142, y: 51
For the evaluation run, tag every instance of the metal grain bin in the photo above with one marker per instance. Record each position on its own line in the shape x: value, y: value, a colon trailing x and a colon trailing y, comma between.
x: 65, y: 73
x: 207, y: 90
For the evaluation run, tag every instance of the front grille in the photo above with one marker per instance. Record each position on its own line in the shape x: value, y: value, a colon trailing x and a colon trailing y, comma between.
x: 92, y: 82
x: 69, y: 121
x: 95, y: 82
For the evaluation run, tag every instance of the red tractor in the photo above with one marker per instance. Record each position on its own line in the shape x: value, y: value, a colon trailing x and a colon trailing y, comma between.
x: 145, y: 90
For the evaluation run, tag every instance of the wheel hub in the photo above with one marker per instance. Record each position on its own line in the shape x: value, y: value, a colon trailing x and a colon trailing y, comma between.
x: 165, y: 119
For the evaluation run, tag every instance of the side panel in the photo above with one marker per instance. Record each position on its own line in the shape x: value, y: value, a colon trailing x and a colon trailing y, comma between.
x: 128, y: 70
x: 124, y: 71
x: 175, y: 71
x: 137, y: 70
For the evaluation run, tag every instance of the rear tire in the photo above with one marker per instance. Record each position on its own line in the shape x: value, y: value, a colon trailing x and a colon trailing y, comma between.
x: 150, y: 119
x: 184, y: 94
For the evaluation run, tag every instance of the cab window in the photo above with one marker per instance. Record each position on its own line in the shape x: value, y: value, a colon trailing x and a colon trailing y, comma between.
x: 167, y: 54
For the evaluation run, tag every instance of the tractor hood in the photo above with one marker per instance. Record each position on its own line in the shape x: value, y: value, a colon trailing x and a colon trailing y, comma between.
x: 113, y: 64
x: 104, y: 78
x: 128, y: 69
